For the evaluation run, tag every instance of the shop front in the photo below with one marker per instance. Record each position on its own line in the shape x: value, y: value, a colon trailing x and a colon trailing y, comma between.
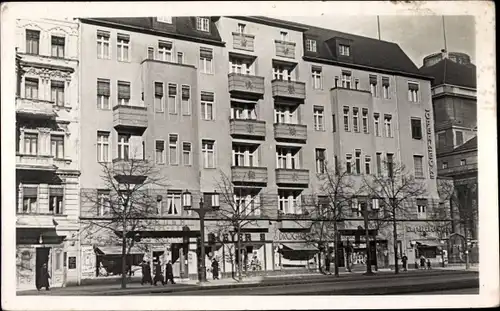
x: 424, y: 240
x: 291, y: 250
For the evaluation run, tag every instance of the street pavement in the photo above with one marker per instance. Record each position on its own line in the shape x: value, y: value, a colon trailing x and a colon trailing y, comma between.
x: 384, y: 282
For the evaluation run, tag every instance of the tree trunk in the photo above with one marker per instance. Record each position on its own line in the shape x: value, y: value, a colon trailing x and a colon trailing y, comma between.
x: 335, y: 248
x: 124, y: 259
x: 240, y: 259
x: 395, y: 237
x: 466, y: 238
x: 367, y: 239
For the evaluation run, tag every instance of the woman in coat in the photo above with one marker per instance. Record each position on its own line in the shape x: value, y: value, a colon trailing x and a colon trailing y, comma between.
x: 215, y: 269
x: 158, y: 274
x: 43, y: 279
x: 147, y: 273
x: 169, y: 273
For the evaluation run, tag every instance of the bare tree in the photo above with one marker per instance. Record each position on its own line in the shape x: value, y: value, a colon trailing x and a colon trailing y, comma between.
x: 126, y: 204
x: 395, y: 191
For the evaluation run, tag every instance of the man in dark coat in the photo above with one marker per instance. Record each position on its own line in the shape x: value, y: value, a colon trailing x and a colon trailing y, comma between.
x: 404, y: 259
x: 147, y: 273
x: 215, y: 269
x: 327, y: 263
x: 158, y: 274
x: 422, y: 262
x: 169, y: 273
x: 43, y: 279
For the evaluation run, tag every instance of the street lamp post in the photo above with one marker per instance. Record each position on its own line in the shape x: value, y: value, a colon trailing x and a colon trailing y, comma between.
x: 201, y: 211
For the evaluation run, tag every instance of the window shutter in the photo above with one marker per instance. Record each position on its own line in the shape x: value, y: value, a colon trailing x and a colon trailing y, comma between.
x: 413, y: 86
x: 373, y: 79
x: 159, y: 89
x: 124, y: 90
x: 123, y: 37
x: 31, y: 192
x: 385, y: 81
x: 103, y: 33
x: 206, y: 53
x: 103, y: 87
x: 56, y: 191
x: 165, y: 44
x: 172, y: 89
x: 160, y: 145
x: 185, y: 92
x: 207, y: 96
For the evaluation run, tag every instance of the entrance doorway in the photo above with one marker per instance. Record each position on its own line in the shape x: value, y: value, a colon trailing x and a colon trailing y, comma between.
x: 42, y: 257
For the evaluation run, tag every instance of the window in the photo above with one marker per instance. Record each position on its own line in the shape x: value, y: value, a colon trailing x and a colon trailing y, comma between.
x: 282, y: 73
x: 390, y: 165
x: 207, y: 106
x: 416, y: 128
x: 356, y: 84
x: 206, y: 63
x: 418, y: 166
x: 365, y: 120
x: 31, y: 88
x: 186, y: 100
x: 203, y: 24
x: 30, y: 198
x: 123, y: 47
x: 358, y: 161
x: 287, y: 158
x: 103, y: 202
x: 310, y: 45
x: 320, y: 161
x: 355, y: 120
x: 57, y: 146
x: 413, y: 92
x: 240, y: 65
x: 319, y: 120
x: 373, y: 85
x: 172, y: 98
x: 463, y: 162
x: 375, y: 204
x: 444, y: 165
x: 172, y: 149
x: 123, y: 93
x: 31, y: 143
x: 180, y: 58
x: 344, y: 50
x: 243, y: 111
x: 57, y: 92
x: 385, y: 87
x: 241, y: 28
x: 368, y: 161
x: 441, y: 140
x: 376, y: 124
x: 208, y: 151
x: 245, y: 155
x: 173, y: 203
x: 334, y: 123
x: 348, y: 163
x: 247, y: 202
x: 151, y: 52
x: 284, y: 36
x: 316, y: 78
x: 56, y: 200
x: 165, y: 51
x: 164, y: 19
x: 123, y: 146
x: 346, y: 79
x: 286, y: 114
x: 186, y: 153
x: 57, y: 46
x: 159, y: 97
x: 379, y: 163
x: 388, y: 125
x: 160, y: 152
x: 459, y: 138
x: 103, y: 92
x: 289, y: 201
x: 356, y: 207
x: 346, y: 118
x: 421, y: 207
x: 336, y: 81
x: 32, y: 42
x: 103, y: 51
x: 103, y: 146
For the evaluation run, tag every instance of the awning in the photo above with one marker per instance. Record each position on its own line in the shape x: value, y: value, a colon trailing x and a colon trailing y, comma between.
x: 35, y: 221
x: 116, y: 250
x: 430, y: 243
x: 300, y: 247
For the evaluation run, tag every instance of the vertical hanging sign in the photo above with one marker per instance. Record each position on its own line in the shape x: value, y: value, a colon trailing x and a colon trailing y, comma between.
x: 430, y: 144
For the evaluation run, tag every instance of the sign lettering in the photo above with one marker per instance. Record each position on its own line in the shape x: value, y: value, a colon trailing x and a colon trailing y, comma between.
x: 430, y: 146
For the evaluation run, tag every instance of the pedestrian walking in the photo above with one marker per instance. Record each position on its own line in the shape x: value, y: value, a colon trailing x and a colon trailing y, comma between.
x: 169, y: 273
x: 158, y: 274
x: 43, y: 279
x: 147, y: 273
x: 144, y: 270
x: 428, y: 264
x: 327, y: 263
x: 405, y: 262
x: 215, y: 269
x: 422, y: 262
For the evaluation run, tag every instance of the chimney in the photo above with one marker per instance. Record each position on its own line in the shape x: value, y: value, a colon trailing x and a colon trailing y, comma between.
x: 444, y: 54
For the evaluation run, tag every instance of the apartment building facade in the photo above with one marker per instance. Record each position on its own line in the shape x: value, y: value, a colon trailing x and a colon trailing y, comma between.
x: 47, y: 145
x: 264, y: 102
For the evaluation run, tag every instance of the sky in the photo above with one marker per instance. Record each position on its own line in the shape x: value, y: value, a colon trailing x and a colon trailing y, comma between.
x: 418, y: 36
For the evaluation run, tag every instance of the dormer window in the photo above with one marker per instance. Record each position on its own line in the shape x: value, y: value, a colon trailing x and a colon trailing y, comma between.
x: 284, y: 35
x: 310, y: 45
x: 344, y: 50
x: 164, y: 19
x: 203, y: 24
x: 241, y: 28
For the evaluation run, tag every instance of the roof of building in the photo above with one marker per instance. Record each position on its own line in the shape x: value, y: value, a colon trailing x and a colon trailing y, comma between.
x: 471, y: 144
x: 456, y: 74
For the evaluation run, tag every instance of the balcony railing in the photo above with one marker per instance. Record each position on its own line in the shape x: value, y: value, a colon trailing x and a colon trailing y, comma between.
x: 292, y: 176
x: 458, y: 170
x: 289, y: 89
x: 285, y: 48
x: 285, y: 131
x: 246, y: 84
x: 132, y: 118
x: 35, y: 162
x: 243, y: 127
x: 251, y: 175
x: 243, y: 41
x: 35, y: 107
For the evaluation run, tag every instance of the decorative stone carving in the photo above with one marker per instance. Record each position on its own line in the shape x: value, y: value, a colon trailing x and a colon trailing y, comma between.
x: 249, y: 85
x: 251, y: 175
x: 292, y: 130
x: 250, y: 128
x: 291, y: 88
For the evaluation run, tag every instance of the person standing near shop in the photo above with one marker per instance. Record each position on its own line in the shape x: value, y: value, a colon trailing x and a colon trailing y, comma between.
x: 169, y: 273
x: 158, y: 273
x: 422, y: 262
x: 215, y: 269
x: 327, y: 263
x: 405, y: 262
x: 43, y: 279
x: 428, y: 264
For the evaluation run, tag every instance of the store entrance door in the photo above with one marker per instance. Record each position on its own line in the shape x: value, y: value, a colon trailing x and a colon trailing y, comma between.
x: 42, y: 257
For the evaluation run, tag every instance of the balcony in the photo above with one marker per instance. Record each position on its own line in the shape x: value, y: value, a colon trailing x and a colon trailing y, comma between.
x: 458, y: 170
x: 132, y: 171
x: 295, y: 177
x: 246, y: 84
x: 249, y: 175
x: 247, y: 128
x: 289, y: 89
x: 35, y: 162
x: 130, y: 118
x: 295, y: 132
x: 35, y: 108
x: 243, y: 41
x: 294, y: 221
x: 35, y: 221
x: 285, y: 48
